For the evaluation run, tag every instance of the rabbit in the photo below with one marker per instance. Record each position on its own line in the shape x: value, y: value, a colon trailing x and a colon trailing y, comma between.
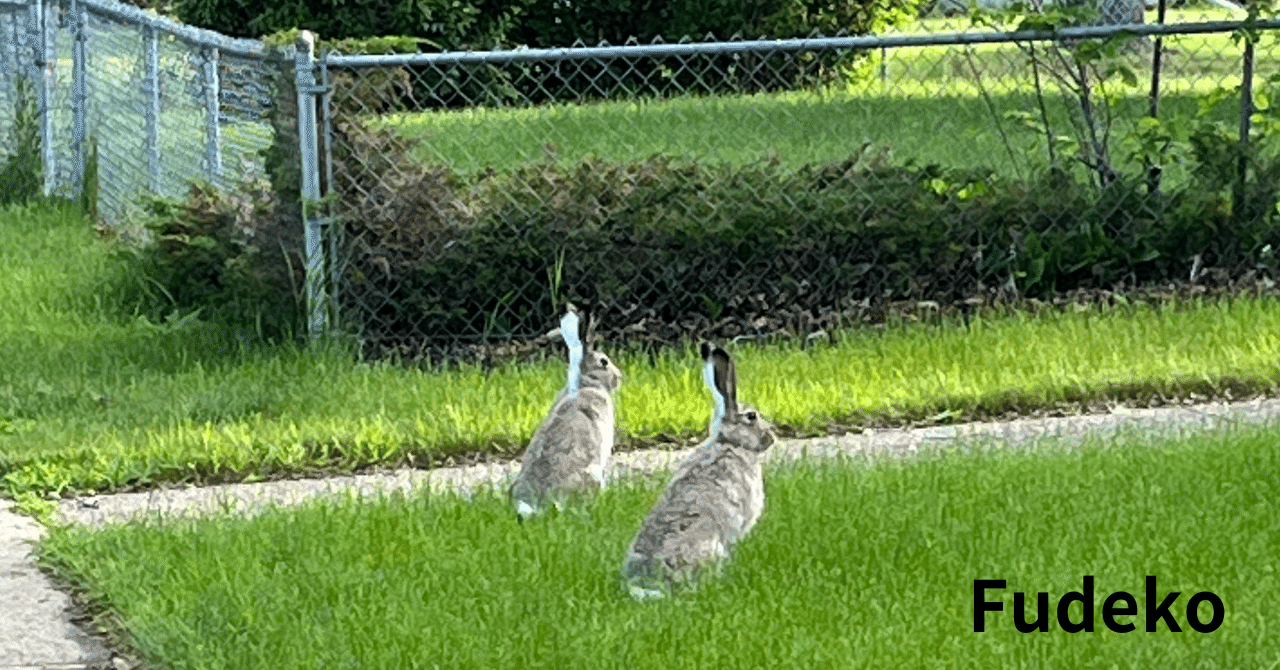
x: 570, y: 451
x: 714, y: 498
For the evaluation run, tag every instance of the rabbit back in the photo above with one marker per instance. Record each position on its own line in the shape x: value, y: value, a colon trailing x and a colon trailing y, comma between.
x: 713, y: 500
x: 569, y: 452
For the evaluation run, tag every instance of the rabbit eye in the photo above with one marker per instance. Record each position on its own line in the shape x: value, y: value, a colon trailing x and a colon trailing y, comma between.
x: 604, y: 361
x: 751, y: 417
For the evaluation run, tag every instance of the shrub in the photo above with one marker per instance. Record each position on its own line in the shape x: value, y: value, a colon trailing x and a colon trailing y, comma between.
x: 696, y: 250
x: 485, y: 24
x: 451, y: 23
x: 222, y: 253
x: 479, y: 24
x: 22, y: 174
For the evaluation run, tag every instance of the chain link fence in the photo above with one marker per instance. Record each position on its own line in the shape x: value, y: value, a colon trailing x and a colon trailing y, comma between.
x: 146, y: 104
x: 748, y: 188
x: 688, y: 189
x: 13, y: 16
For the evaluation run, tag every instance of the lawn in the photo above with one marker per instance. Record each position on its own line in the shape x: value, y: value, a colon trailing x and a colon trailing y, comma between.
x: 855, y: 564
x: 795, y: 128
x: 865, y: 564
x: 943, y: 104
x: 95, y: 398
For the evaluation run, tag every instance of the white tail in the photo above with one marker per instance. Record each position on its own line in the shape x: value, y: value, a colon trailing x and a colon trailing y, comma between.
x: 525, y: 510
x: 640, y: 593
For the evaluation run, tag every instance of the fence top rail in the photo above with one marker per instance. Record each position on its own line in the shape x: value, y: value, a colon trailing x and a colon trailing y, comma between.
x: 197, y: 36
x: 785, y: 46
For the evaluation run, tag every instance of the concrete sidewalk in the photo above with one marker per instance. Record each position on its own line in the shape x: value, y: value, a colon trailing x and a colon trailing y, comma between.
x: 37, y: 628
x: 247, y: 499
x: 36, y: 619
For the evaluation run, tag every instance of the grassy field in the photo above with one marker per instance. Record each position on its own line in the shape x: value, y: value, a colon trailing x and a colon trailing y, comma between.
x: 865, y: 564
x: 861, y: 565
x: 95, y: 399
x: 941, y: 105
x: 795, y: 128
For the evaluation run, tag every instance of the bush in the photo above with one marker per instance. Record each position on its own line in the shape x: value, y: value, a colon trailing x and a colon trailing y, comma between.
x: 354, y: 27
x: 481, y: 24
x: 552, y: 23
x: 692, y: 250
x: 451, y: 23
x: 22, y: 174
x: 224, y: 254
x: 236, y: 256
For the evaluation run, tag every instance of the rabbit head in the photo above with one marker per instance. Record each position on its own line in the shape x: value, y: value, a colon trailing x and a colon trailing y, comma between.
x: 739, y: 424
x: 587, y: 367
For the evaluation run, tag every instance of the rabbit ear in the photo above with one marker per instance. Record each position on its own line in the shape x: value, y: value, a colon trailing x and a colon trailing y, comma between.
x: 717, y: 372
x: 726, y: 380
x: 587, y: 326
x: 570, y: 326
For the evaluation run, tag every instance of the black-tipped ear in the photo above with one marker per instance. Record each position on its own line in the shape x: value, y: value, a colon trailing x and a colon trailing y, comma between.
x: 726, y: 379
x: 705, y: 349
x: 586, y: 326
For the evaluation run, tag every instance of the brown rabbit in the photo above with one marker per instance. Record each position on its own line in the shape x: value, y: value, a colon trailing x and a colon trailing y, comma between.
x: 714, y: 498
x: 570, y: 451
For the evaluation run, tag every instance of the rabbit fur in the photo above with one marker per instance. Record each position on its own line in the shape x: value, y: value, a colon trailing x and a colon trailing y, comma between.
x: 713, y: 499
x: 569, y: 453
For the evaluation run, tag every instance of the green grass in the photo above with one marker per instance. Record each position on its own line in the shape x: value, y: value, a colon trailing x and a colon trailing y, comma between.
x: 862, y: 565
x: 795, y: 128
x: 93, y: 400
x: 942, y: 105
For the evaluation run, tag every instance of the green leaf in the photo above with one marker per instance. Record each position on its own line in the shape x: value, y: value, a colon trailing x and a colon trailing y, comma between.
x: 946, y: 416
x: 204, y: 242
x: 1147, y: 256
x: 1126, y: 73
x: 1261, y: 101
x: 1036, y: 23
x: 1088, y: 51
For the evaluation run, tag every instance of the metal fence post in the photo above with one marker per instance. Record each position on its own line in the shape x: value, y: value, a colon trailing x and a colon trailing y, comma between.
x: 1246, y: 112
x: 41, y: 81
x: 151, y: 89
x: 1157, y: 58
x: 212, y: 108
x: 308, y: 145
x: 333, y: 234
x: 79, y: 95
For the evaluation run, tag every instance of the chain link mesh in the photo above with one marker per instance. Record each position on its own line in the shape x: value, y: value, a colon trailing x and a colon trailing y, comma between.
x: 150, y: 87
x: 13, y: 40
x: 114, y: 82
x: 739, y: 194
x: 723, y: 190
x: 120, y: 95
